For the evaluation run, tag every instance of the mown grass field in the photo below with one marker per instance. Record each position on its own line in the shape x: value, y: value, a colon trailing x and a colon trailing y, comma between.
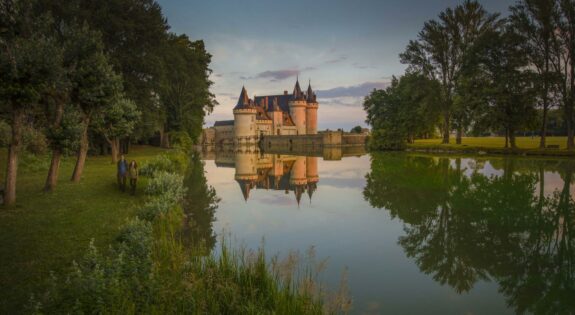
x: 492, y: 142
x: 45, y: 231
x: 494, y: 145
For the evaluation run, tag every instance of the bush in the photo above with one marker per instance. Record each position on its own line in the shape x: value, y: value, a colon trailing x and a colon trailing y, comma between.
x: 168, y: 185
x: 173, y: 163
x: 156, y: 207
x: 34, y: 163
x: 181, y: 140
x: 98, y: 283
x: 34, y: 141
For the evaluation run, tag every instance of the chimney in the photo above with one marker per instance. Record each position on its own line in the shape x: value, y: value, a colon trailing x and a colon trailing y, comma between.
x: 285, y: 92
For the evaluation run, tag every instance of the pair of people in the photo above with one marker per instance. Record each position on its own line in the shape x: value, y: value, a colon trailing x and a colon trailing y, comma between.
x: 126, y: 170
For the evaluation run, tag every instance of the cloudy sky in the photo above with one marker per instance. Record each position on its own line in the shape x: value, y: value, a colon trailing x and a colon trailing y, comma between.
x: 345, y: 47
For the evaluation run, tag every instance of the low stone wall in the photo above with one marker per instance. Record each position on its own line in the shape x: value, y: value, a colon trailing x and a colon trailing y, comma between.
x: 353, y: 139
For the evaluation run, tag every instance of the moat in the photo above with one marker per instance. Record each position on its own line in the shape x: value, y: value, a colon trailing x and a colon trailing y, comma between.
x: 417, y: 234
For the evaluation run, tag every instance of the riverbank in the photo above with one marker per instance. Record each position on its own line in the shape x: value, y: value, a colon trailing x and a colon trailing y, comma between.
x: 88, y: 251
x: 44, y: 232
x: 526, y: 146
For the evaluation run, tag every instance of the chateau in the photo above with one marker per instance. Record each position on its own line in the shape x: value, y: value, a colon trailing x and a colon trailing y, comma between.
x: 285, y: 114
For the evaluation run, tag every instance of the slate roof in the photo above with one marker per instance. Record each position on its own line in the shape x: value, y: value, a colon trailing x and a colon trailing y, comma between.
x: 224, y: 123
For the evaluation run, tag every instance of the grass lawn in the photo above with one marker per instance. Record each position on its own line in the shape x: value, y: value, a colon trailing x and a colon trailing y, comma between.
x: 490, y: 144
x: 45, y: 231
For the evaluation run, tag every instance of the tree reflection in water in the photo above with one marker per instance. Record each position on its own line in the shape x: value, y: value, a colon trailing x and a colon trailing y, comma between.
x: 200, y: 204
x: 463, y: 226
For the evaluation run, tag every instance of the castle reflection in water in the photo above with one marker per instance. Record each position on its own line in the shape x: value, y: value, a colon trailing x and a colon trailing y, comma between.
x: 295, y: 172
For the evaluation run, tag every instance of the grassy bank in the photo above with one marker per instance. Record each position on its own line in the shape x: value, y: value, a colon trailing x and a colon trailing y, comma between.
x: 493, y: 145
x: 138, y: 263
x: 45, y: 231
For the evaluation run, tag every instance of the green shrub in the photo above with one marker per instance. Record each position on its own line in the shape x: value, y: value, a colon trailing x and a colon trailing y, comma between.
x: 169, y: 185
x: 155, y: 207
x: 34, y: 163
x: 181, y: 140
x: 34, y: 141
x: 173, y: 163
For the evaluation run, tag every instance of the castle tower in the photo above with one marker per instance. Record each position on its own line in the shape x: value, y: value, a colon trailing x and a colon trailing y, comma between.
x: 246, y: 172
x: 297, y: 108
x: 245, y: 131
x: 311, y: 175
x: 311, y: 112
x: 298, y: 176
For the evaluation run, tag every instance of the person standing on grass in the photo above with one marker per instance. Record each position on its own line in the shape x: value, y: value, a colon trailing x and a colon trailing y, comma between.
x: 133, y: 173
x: 122, y: 172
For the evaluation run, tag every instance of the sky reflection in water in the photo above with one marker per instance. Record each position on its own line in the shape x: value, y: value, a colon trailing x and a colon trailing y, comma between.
x: 418, y: 234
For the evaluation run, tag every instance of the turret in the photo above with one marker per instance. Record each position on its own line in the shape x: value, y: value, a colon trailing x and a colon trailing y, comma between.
x: 298, y: 176
x: 245, y: 120
x: 246, y: 173
x: 297, y: 108
x: 311, y: 111
x: 311, y: 175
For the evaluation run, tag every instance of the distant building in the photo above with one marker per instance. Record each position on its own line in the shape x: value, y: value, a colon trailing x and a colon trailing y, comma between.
x: 282, y: 114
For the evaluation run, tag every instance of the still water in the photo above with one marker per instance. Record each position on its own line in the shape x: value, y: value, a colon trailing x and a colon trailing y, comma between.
x: 417, y: 234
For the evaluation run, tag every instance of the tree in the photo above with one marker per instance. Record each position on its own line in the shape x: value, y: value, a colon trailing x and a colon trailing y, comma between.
x: 563, y: 62
x: 94, y: 85
x: 356, y: 129
x: 30, y: 63
x: 535, y: 22
x: 441, y: 50
x: 116, y: 120
x: 184, y: 90
x: 402, y: 112
x: 503, y: 79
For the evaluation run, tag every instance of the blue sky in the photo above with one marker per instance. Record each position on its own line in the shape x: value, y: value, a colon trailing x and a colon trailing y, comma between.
x: 346, y: 48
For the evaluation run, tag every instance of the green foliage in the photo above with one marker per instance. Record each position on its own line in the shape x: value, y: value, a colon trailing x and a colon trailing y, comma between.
x: 147, y: 271
x: 167, y: 184
x: 184, y: 90
x: 181, y: 140
x: 33, y: 163
x: 66, y: 135
x: 405, y: 110
x: 504, y: 81
x: 441, y: 50
x: 34, y: 140
x: 94, y: 84
x: 30, y: 66
x: 117, y: 119
x: 356, y: 129
x: 172, y: 163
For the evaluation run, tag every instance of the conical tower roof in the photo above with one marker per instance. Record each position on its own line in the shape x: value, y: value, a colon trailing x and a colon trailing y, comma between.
x: 310, y: 94
x: 245, y: 187
x: 244, y: 100
x: 297, y: 93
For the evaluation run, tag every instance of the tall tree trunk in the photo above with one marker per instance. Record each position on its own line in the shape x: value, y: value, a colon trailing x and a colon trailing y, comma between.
x: 543, y: 134
x: 569, y: 124
x: 115, y: 146
x: 82, y: 153
x: 446, y: 128
x: 52, y: 179
x: 13, y: 151
x: 506, y: 138
x: 164, y: 139
x: 512, y: 139
x: 459, y: 135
